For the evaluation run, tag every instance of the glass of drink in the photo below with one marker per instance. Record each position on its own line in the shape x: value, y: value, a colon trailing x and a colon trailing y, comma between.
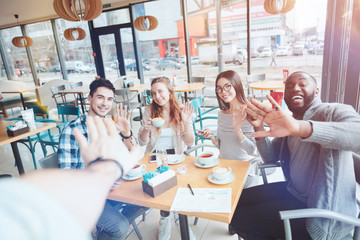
x: 161, y: 157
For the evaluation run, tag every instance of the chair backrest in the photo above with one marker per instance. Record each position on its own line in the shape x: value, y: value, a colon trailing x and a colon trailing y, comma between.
x: 147, y: 95
x: 45, y: 95
x: 255, y: 77
x: 40, y: 110
x: 76, y: 84
x: 197, y: 79
x: 68, y: 111
x: 50, y: 161
x: 197, y: 105
x: 56, y: 89
x: 122, y: 96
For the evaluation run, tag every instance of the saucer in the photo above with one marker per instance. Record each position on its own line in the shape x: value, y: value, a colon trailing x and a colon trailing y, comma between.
x: 130, y: 178
x: 212, y: 179
x: 214, y: 163
x: 175, y: 158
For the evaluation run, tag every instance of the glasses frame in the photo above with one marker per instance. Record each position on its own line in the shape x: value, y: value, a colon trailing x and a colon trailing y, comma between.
x: 227, y: 87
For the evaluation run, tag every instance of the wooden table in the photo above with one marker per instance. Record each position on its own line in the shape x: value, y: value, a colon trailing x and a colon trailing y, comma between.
x: 5, y: 139
x: 188, y: 87
x: 80, y: 91
x: 267, y: 85
x: 131, y: 191
x: 21, y: 92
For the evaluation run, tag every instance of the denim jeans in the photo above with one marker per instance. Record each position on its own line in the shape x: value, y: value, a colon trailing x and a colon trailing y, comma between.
x: 114, y: 224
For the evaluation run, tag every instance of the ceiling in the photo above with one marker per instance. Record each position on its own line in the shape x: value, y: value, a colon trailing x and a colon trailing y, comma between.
x: 30, y: 11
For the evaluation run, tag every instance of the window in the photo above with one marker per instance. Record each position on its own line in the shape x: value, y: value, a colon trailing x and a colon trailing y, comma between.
x: 43, y: 50
x: 2, y: 70
x: 17, y: 57
x: 112, y: 18
x: 161, y: 48
x: 79, y: 60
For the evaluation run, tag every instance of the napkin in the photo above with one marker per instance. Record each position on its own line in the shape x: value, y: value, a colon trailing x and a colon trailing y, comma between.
x: 161, y: 178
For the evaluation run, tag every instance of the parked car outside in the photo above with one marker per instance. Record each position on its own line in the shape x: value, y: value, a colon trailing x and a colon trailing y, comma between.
x: 298, y: 49
x: 282, y: 51
x: 266, y: 52
x: 54, y: 69
x: 41, y: 69
x: 132, y: 67
x: 182, y: 59
x: 320, y: 49
x: 165, y: 64
x: 195, y: 60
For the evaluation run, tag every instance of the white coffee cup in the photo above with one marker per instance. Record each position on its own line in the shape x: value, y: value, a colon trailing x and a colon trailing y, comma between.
x: 137, y: 170
x: 206, y: 158
x: 221, y: 173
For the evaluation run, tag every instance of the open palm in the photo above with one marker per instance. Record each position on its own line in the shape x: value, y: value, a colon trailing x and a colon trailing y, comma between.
x: 123, y: 119
x: 186, y: 113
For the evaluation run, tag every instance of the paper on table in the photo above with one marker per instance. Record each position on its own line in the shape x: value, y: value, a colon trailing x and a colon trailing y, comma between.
x: 217, y: 200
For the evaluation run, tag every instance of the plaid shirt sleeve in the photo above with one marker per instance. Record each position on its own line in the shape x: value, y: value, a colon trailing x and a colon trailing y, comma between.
x: 69, y: 152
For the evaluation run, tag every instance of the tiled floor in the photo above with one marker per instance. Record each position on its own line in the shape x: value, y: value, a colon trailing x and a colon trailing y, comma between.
x: 204, y: 230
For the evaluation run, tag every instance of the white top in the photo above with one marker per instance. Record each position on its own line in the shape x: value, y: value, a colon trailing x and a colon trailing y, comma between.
x: 165, y: 140
x: 27, y: 212
x: 231, y: 148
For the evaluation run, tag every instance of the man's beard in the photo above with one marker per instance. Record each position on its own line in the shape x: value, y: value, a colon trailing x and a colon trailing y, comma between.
x: 307, y: 103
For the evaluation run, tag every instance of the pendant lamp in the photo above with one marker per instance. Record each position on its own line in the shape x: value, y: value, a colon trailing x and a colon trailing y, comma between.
x: 21, y: 41
x: 278, y: 6
x: 74, y: 34
x: 146, y: 23
x: 78, y: 10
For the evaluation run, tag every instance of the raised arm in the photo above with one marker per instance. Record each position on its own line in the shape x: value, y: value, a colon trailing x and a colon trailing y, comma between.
x: 83, y: 192
x: 123, y: 125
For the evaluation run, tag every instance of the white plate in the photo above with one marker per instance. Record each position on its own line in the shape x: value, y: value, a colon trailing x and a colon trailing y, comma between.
x: 226, y: 181
x: 175, y: 158
x: 214, y: 163
x: 130, y: 178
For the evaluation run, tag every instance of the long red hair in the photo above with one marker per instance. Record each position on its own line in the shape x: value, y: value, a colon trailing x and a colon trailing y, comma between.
x: 175, y: 110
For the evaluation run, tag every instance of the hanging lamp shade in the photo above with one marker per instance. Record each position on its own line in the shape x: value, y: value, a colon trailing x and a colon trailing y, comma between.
x: 74, y: 34
x: 146, y: 23
x: 23, y: 41
x: 278, y: 6
x: 77, y: 10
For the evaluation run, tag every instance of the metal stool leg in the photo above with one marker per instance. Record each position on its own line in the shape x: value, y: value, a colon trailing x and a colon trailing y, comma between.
x: 136, y: 230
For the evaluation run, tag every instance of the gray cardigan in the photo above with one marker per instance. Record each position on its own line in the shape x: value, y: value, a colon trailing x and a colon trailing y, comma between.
x: 336, y: 133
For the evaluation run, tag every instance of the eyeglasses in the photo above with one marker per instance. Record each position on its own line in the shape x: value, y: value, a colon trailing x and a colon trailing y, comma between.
x: 226, y: 88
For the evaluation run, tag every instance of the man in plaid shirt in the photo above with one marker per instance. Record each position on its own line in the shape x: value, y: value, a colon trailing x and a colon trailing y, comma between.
x: 112, y: 224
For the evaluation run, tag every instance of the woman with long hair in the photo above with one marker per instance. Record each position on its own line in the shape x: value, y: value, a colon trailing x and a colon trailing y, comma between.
x: 176, y: 133
x: 234, y: 132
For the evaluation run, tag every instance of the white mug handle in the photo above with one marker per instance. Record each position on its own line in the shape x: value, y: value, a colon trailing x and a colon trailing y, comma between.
x: 229, y: 169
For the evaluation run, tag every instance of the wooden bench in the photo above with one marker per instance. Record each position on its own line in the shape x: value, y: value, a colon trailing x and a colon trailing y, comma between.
x: 13, y: 100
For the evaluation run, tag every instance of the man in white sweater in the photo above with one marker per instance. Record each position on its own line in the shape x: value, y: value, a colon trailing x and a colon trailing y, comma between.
x: 315, y: 147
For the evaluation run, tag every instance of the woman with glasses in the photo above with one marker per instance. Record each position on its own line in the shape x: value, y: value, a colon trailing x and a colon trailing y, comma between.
x: 174, y: 136
x: 234, y: 132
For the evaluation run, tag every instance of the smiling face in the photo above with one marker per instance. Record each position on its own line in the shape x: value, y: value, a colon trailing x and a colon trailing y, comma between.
x: 101, y: 102
x: 225, y: 90
x: 300, y: 91
x: 160, y: 93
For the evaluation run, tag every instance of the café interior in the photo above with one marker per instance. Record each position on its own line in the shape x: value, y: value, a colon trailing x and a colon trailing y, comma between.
x: 49, y: 55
